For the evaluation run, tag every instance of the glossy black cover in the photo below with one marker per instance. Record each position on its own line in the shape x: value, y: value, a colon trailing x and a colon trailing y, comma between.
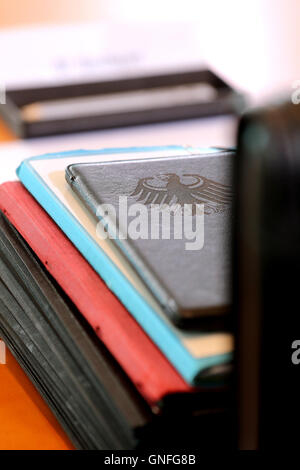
x: 266, y: 277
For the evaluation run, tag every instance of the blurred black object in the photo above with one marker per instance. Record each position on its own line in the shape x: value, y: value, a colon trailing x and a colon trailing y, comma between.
x: 267, y: 277
x: 122, y: 102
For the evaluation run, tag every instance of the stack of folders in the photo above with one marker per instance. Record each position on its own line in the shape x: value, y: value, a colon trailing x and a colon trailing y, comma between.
x: 115, y: 292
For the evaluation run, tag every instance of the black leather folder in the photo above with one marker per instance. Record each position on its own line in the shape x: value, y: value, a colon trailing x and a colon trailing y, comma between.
x: 191, y: 280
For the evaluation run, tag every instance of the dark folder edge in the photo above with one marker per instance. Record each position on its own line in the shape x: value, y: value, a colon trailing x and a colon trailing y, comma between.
x: 50, y: 388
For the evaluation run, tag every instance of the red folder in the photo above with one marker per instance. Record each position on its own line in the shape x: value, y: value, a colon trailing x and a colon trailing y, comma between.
x: 143, y: 362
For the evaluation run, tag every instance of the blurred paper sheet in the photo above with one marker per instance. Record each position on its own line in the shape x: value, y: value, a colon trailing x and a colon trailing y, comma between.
x: 59, y: 55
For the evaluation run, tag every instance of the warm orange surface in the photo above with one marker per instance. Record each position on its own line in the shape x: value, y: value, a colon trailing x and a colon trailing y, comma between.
x: 26, y: 422
x: 5, y: 133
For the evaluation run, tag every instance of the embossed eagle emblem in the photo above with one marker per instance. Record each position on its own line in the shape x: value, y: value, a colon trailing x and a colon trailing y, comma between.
x: 170, y: 188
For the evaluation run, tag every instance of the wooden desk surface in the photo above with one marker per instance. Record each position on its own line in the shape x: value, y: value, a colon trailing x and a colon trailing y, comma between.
x: 26, y: 422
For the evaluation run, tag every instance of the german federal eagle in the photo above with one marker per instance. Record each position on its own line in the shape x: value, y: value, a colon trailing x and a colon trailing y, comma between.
x: 169, y: 188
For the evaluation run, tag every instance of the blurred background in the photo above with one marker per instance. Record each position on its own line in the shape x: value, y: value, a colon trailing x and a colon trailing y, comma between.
x: 253, y: 43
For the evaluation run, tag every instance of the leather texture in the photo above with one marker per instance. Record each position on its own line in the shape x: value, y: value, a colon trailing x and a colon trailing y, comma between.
x: 189, y: 284
x: 198, y: 354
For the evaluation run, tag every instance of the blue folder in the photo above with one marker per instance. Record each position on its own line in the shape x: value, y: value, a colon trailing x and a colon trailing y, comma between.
x: 156, y: 326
